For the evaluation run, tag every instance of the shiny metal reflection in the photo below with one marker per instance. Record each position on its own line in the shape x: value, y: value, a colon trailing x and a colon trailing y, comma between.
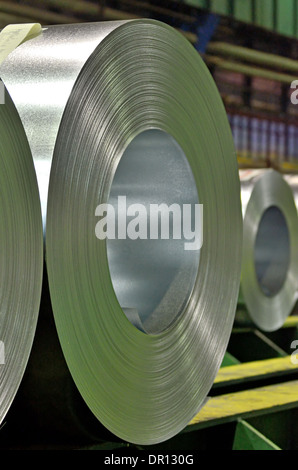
x: 272, y: 251
x: 39, y: 75
x: 155, y: 277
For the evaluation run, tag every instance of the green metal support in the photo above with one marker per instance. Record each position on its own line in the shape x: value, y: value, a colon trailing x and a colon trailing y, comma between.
x: 248, y: 438
x: 279, y: 16
x: 229, y: 360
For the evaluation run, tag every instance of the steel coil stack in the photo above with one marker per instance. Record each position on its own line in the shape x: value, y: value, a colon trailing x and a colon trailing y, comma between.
x: 149, y: 235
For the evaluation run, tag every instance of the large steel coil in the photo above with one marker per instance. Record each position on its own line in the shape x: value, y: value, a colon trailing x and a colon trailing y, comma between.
x: 130, y: 109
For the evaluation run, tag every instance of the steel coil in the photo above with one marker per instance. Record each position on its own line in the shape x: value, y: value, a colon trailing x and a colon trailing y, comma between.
x: 129, y: 108
x: 292, y: 180
x: 270, y: 248
x: 21, y: 254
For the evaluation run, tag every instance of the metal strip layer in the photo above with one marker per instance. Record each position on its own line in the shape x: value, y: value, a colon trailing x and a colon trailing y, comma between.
x: 21, y: 253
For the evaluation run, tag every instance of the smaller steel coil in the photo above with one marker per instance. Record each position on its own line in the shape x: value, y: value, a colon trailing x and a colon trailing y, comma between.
x: 270, y: 250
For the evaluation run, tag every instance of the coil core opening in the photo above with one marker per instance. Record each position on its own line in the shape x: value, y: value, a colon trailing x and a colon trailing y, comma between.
x: 272, y: 251
x: 151, y: 270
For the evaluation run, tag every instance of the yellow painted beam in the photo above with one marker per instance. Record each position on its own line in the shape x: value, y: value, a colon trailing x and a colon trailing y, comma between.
x: 289, y: 167
x: 249, y: 162
x: 291, y: 322
x: 230, y: 406
x: 255, y: 369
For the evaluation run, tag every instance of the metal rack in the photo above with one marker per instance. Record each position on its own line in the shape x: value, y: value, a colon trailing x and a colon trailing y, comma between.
x: 253, y: 404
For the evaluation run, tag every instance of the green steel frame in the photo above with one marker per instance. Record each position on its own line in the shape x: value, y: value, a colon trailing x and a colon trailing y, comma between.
x: 280, y: 16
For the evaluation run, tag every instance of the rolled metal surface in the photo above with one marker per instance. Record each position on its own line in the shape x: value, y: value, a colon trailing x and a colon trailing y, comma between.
x: 292, y: 180
x: 270, y: 248
x: 21, y: 254
x: 129, y: 108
